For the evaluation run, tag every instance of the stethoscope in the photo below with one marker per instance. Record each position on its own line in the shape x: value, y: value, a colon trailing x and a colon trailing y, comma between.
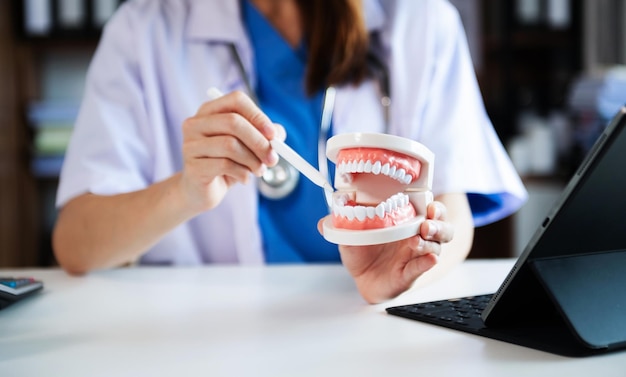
x: 281, y: 180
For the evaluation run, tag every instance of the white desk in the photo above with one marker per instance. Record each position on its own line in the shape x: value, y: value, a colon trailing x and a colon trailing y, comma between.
x: 267, y: 321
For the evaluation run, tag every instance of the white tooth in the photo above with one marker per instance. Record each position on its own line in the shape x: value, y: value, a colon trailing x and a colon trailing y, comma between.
x: 349, y: 212
x: 399, y: 201
x: 380, y: 210
x: 392, y: 171
x: 368, y: 166
x: 360, y: 166
x: 405, y: 200
x: 407, y: 179
x: 388, y: 205
x: 342, y: 168
x: 385, y: 169
x: 400, y: 175
x: 376, y: 167
x: 353, y: 166
x: 371, y: 212
x: 394, y: 203
x: 360, y: 213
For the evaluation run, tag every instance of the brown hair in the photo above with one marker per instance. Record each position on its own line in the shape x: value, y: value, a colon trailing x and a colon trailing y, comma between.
x: 337, y: 39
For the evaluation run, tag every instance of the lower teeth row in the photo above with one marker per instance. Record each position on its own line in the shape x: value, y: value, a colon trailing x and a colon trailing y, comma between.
x: 360, y: 213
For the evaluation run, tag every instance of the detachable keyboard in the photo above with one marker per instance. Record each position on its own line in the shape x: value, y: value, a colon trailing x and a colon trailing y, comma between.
x: 464, y: 314
x: 13, y: 289
x: 460, y: 314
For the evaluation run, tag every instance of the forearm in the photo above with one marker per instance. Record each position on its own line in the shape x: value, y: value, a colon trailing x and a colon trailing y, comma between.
x: 94, y: 231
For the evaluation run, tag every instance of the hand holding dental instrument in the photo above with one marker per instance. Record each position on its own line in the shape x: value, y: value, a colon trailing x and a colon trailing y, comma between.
x: 293, y: 158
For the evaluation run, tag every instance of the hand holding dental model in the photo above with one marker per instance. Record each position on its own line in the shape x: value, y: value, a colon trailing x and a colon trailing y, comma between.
x: 383, y: 198
x: 384, y: 217
x: 381, y: 206
x: 380, y: 210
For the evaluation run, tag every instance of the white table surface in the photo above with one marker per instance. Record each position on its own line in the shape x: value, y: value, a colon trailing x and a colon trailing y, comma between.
x: 305, y: 320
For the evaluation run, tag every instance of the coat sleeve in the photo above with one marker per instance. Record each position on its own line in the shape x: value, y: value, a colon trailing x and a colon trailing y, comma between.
x: 450, y: 117
x: 108, y: 152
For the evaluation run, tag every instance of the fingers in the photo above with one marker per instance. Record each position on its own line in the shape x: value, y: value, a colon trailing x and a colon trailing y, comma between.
x: 436, y: 211
x: 419, y: 246
x: 437, y: 231
x: 223, y: 155
x: 280, y: 134
x: 433, y: 232
x: 432, y: 235
x: 229, y: 136
x: 234, y: 125
x: 320, y: 225
x: 436, y: 228
x: 238, y: 102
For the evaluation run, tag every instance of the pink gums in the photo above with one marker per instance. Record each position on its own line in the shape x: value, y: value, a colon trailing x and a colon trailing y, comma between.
x: 411, y: 165
x: 399, y: 216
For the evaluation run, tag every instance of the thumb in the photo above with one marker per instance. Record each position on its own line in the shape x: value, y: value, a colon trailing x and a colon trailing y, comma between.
x: 320, y: 225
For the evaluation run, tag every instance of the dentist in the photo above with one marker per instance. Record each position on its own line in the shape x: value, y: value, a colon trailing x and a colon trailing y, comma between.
x: 157, y: 174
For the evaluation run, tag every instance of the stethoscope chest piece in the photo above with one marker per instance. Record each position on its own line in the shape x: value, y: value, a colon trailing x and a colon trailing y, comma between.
x: 279, y: 181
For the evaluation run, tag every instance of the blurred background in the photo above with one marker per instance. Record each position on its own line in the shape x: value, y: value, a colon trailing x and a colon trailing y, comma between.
x: 551, y: 74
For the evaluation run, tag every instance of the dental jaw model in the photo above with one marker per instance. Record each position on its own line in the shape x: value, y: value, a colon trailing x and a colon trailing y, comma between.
x: 383, y: 187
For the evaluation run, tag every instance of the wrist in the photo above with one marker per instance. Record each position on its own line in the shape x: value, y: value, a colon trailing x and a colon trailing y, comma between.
x: 181, y: 205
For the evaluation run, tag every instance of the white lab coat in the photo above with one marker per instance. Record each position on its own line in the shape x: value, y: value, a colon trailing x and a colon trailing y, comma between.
x: 157, y: 58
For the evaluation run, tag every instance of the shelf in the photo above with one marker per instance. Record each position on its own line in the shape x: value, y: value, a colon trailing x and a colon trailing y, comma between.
x: 43, y: 113
x: 47, y: 166
x: 37, y: 68
x: 61, y: 20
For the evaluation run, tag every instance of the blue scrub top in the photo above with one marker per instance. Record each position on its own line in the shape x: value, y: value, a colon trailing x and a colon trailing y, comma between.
x: 289, y: 225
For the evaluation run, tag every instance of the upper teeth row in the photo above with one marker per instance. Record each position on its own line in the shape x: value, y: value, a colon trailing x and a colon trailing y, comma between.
x: 376, y: 168
x: 361, y: 212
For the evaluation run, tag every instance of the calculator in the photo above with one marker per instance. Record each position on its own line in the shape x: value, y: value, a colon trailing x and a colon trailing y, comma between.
x: 13, y: 289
